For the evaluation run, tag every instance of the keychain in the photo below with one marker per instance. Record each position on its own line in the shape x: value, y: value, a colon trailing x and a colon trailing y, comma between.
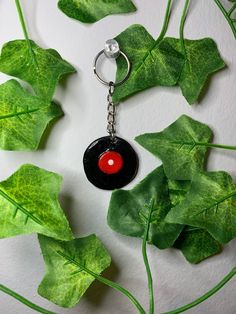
x: 110, y: 162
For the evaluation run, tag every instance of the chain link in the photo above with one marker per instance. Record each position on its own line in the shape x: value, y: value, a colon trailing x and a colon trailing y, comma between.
x: 111, y: 112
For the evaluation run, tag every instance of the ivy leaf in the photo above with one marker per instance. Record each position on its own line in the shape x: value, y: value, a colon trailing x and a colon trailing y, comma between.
x: 29, y: 204
x: 90, y: 11
x: 23, y: 117
x: 197, y: 244
x: 182, y: 147
x: 178, y: 191
x: 153, y: 62
x: 42, y: 72
x: 163, y: 62
x: 66, y: 280
x: 202, y: 60
x: 210, y: 204
x: 129, y: 209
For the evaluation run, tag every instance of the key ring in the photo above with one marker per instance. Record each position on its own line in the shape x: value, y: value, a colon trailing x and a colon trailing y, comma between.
x: 113, y: 51
x: 110, y: 162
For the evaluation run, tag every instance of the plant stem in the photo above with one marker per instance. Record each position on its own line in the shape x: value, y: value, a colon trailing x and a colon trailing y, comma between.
x: 117, y: 288
x: 24, y: 28
x: 205, y: 296
x: 106, y: 282
x: 232, y: 9
x: 210, y: 145
x: 146, y: 262
x: 217, y: 146
x: 227, y: 16
x: 166, y: 21
x: 24, y: 301
x: 162, y: 34
x: 182, y: 23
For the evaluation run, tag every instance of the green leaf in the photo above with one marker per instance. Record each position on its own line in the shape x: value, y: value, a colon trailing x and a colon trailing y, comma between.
x: 129, y: 209
x: 153, y: 62
x: 210, y: 204
x: 163, y: 62
x: 90, y: 11
x: 23, y: 117
x: 182, y: 147
x: 202, y: 60
x: 65, y: 281
x: 178, y: 190
x: 197, y: 244
x: 29, y: 204
x: 42, y: 74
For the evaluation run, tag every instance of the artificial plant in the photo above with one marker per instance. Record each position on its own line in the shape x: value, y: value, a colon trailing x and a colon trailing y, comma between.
x: 166, y: 61
x: 229, y: 13
x: 24, y: 116
x: 90, y: 11
x: 178, y: 205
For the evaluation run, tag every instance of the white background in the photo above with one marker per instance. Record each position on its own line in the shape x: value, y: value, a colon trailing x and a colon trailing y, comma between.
x: 83, y: 101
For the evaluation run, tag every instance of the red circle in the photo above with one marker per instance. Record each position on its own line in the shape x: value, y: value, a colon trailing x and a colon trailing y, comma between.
x: 110, y: 162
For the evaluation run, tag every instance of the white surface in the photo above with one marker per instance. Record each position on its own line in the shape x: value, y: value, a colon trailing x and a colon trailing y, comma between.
x: 83, y: 101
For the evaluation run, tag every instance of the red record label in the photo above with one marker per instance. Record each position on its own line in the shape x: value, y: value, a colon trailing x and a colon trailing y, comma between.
x: 110, y: 162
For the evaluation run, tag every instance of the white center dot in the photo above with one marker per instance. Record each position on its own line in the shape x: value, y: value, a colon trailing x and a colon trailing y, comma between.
x: 110, y: 162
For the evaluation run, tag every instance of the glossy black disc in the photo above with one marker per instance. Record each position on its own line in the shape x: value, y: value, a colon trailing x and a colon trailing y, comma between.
x: 110, y: 164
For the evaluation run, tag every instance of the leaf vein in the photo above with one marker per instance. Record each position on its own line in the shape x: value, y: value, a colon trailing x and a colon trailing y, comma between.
x: 21, y: 208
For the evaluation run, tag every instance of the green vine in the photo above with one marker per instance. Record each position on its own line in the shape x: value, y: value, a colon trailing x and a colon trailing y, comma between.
x: 24, y: 28
x: 24, y: 301
x: 171, y: 187
x: 182, y: 23
x: 105, y: 281
x: 150, y: 209
x: 166, y: 22
x: 206, y: 296
x: 228, y: 15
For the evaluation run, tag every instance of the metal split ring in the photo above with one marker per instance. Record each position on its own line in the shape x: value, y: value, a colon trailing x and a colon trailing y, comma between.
x: 103, y: 81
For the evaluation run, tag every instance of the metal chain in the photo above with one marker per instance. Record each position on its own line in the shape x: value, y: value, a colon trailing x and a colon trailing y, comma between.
x: 111, y: 112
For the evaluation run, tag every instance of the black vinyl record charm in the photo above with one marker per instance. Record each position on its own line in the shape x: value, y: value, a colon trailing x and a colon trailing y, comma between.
x: 110, y: 163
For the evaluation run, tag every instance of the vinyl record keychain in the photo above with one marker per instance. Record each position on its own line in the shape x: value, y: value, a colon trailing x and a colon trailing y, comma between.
x: 110, y: 162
